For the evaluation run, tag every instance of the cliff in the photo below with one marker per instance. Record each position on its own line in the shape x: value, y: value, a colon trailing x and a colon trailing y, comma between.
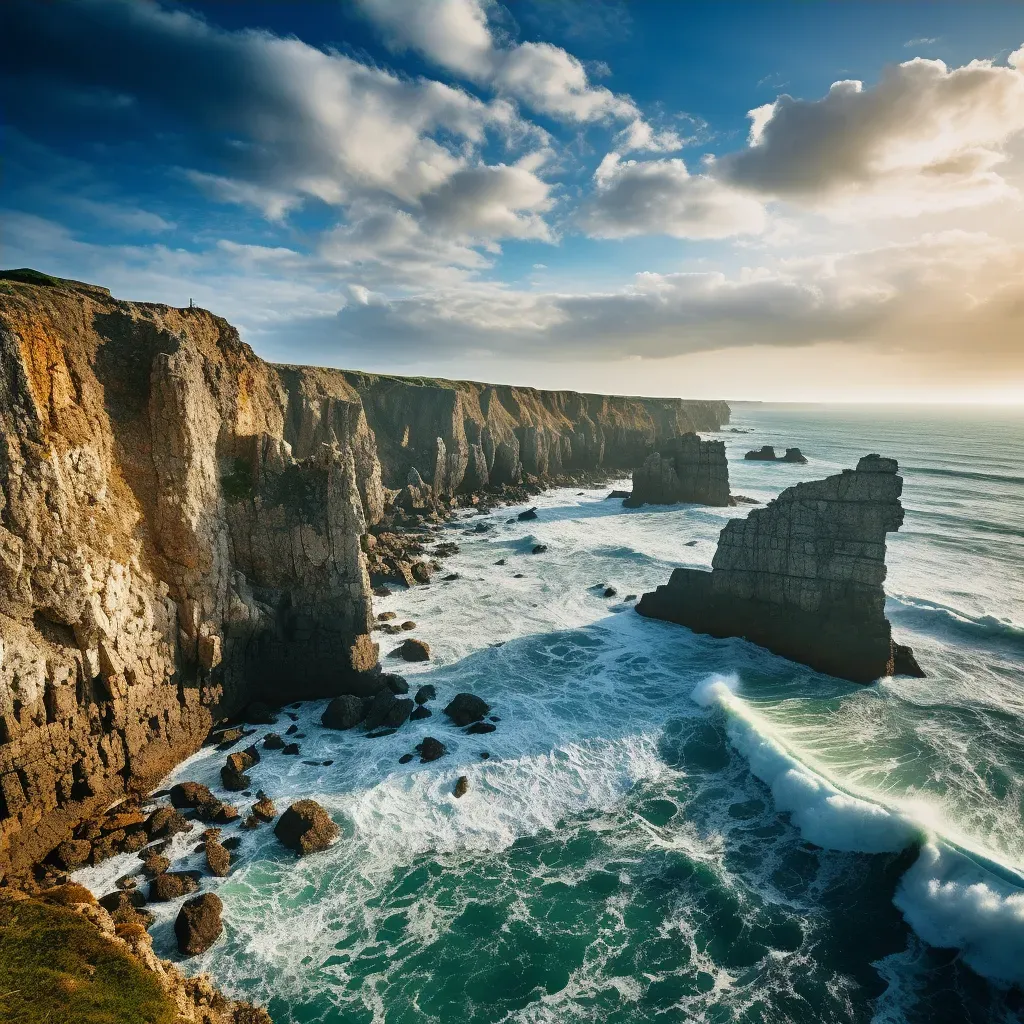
x: 803, y: 577
x: 683, y: 469
x: 182, y: 528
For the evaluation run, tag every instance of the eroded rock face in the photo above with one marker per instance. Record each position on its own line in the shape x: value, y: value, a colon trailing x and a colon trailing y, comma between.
x: 198, y: 925
x: 803, y: 576
x: 306, y: 827
x: 182, y: 530
x: 684, y: 469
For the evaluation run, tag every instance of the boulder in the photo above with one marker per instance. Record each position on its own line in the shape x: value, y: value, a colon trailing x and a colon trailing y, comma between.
x: 154, y: 863
x: 272, y: 741
x: 461, y: 787
x: 344, y: 712
x: 191, y: 794
x: 264, y: 807
x: 430, y: 749
x: 165, y: 822
x: 425, y: 693
x: 386, y: 711
x: 479, y: 728
x: 465, y: 708
x: 609, y: 592
x: 306, y: 827
x: 292, y: 749
x: 234, y: 780
x: 420, y: 712
x: 414, y: 650
x: 530, y: 513
x: 198, y: 925
x: 538, y: 549
x: 395, y: 683
x: 169, y: 885
x: 218, y: 860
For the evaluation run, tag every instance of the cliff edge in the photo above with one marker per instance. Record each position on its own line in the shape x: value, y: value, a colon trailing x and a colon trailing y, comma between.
x: 803, y: 577
x: 182, y: 528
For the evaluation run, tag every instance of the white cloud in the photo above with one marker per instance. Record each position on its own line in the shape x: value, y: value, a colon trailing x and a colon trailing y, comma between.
x: 455, y: 34
x: 925, y: 138
x: 662, y: 197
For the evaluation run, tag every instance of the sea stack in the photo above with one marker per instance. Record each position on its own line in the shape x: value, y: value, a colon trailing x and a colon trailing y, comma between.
x: 803, y: 577
x: 686, y: 469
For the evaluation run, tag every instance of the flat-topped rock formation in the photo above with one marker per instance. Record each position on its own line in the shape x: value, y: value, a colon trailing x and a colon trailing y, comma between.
x: 183, y: 528
x: 766, y: 453
x: 803, y: 577
x: 684, y: 469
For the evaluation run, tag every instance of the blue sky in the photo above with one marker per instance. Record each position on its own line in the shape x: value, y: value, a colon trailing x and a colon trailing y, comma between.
x: 555, y: 192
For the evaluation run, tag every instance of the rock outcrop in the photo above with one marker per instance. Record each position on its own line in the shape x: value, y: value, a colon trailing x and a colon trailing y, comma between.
x: 803, y: 576
x: 684, y: 469
x: 766, y: 453
x: 184, y: 527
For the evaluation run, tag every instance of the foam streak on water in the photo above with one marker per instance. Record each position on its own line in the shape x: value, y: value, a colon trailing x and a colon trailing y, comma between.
x: 668, y: 826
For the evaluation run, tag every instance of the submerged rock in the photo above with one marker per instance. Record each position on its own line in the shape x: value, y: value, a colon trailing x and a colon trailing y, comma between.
x: 803, y: 576
x: 539, y: 549
x: 306, y: 827
x: 198, y: 924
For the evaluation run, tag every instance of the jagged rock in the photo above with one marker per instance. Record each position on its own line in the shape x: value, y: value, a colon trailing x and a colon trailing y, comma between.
x: 684, y: 469
x: 344, y: 712
x: 419, y: 712
x: 414, y: 650
x: 179, y: 511
x: 609, y: 592
x: 430, y: 749
x: 465, y: 708
x: 272, y: 741
x: 234, y: 780
x: 306, y: 827
x: 803, y: 576
x: 218, y: 860
x: 169, y: 885
x: 264, y: 807
x: 291, y: 749
x: 426, y: 692
x: 530, y: 513
x: 501, y: 561
x: 387, y: 711
x: 154, y: 863
x: 72, y: 854
x: 766, y: 453
x: 165, y: 822
x: 395, y: 683
x: 198, y: 925
x: 461, y: 787
x: 793, y: 455
x: 538, y: 549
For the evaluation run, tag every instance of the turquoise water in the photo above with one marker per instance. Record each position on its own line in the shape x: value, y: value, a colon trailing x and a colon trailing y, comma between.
x: 672, y: 827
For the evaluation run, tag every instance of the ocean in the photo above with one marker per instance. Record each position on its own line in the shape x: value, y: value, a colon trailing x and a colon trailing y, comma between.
x: 668, y: 826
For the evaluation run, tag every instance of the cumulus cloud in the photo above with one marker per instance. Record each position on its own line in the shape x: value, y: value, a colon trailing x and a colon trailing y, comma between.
x: 662, y: 197
x: 926, y: 137
x: 275, y: 121
x: 455, y: 34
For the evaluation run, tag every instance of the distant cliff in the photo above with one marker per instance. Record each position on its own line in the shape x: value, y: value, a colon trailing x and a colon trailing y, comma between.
x: 181, y: 527
x: 803, y: 576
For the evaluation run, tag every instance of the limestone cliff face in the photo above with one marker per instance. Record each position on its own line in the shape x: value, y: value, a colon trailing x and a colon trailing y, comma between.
x: 460, y: 435
x: 685, y: 469
x: 181, y: 529
x: 803, y: 576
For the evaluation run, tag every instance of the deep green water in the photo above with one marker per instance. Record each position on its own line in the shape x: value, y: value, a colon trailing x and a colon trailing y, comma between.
x: 671, y: 827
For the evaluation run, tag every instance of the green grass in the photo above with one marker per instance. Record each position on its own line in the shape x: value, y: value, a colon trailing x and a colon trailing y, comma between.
x: 56, y: 968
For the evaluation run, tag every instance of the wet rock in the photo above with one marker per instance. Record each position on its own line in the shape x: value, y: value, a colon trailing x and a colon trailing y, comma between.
x: 387, y: 711
x: 233, y: 780
x: 618, y: 494
x: 539, y: 549
x: 629, y: 597
x: 291, y: 730
x: 292, y: 749
x: 191, y: 795
x: 386, y: 616
x: 405, y: 758
x: 484, y: 755
x: 225, y: 814
x: 530, y: 513
x: 395, y: 683
x: 232, y: 843
x: 465, y: 708
x: 198, y: 924
x: 414, y: 650
x: 154, y: 863
x: 170, y: 885
x: 461, y: 787
x: 264, y: 807
x: 766, y: 453
x: 421, y: 572
x: 344, y: 712
x: 408, y: 624
x: 425, y: 693
x: 218, y: 860
x: 306, y: 827
x: 430, y: 749
x: 794, y: 455
x: 519, y: 576
x: 609, y: 592
x: 272, y: 741
x: 165, y: 822
x: 419, y: 713
x: 452, y: 576
x: 479, y: 728
x: 258, y: 713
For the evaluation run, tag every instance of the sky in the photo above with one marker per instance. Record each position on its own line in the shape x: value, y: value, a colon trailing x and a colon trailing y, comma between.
x: 766, y: 200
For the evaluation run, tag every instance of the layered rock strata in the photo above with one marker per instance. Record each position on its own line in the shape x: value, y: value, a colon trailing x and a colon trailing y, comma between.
x: 803, y: 577
x: 684, y: 469
x: 184, y: 527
